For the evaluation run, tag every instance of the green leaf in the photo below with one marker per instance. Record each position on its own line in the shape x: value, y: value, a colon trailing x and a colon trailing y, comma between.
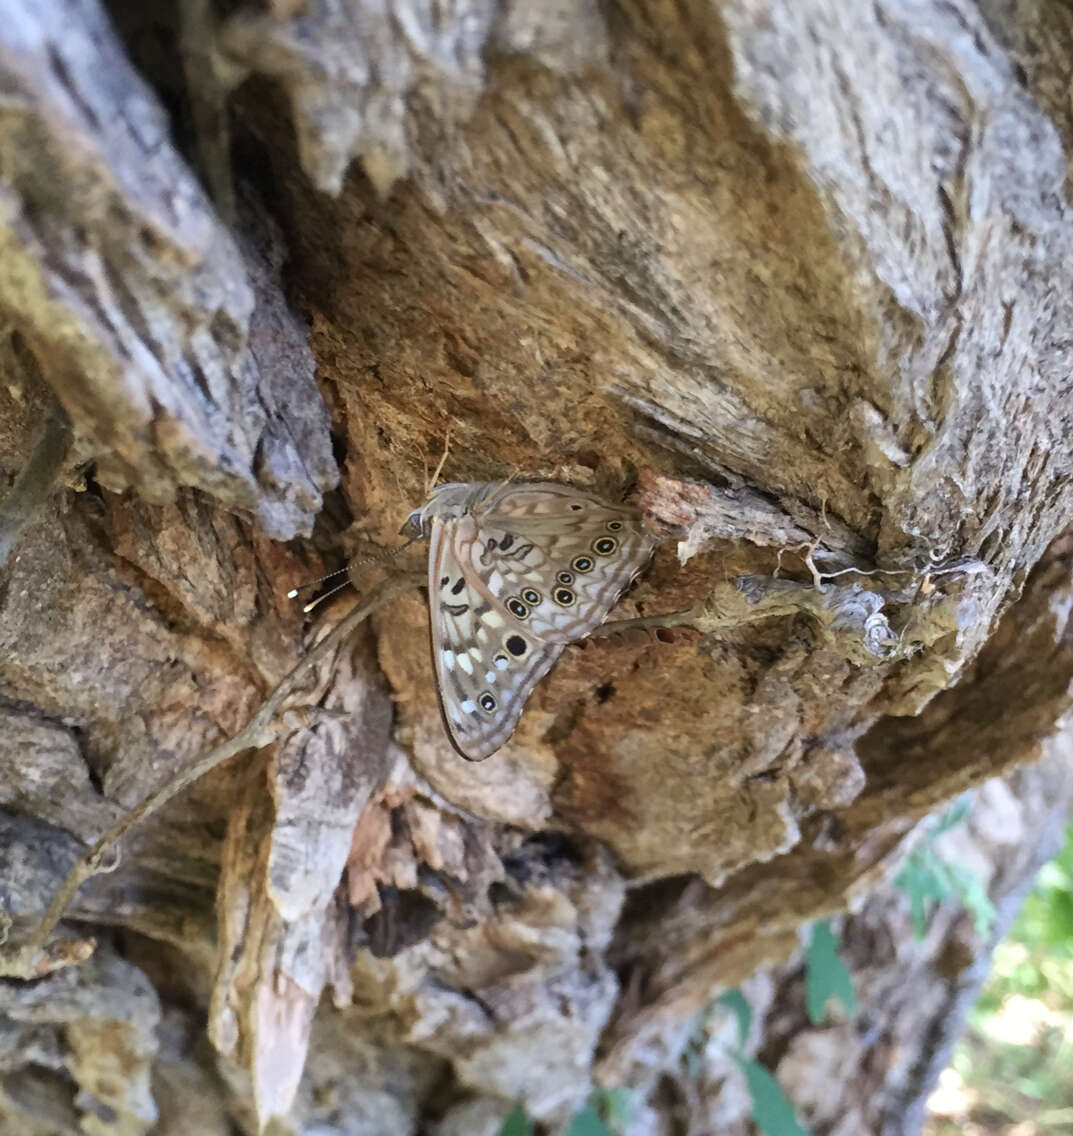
x: 969, y: 888
x: 826, y: 975
x: 955, y: 815
x: 735, y: 1001
x: 614, y: 1105
x: 772, y: 1112
x: 926, y: 878
x: 1047, y: 916
x: 587, y: 1122
x: 921, y: 884
x: 1059, y: 930
x: 517, y: 1123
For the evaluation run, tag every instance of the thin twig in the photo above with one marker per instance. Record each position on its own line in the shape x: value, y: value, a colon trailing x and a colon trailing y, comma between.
x: 689, y: 617
x: 36, y: 480
x: 253, y: 735
x: 849, y: 616
x: 430, y: 484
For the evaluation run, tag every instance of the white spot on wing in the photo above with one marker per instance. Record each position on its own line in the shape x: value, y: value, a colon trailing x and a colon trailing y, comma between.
x: 502, y: 664
x: 490, y: 676
x: 493, y: 619
x: 466, y: 663
x: 449, y: 660
x: 469, y: 706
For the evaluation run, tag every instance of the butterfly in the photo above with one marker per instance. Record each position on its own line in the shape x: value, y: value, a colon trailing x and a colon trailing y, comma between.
x: 516, y: 571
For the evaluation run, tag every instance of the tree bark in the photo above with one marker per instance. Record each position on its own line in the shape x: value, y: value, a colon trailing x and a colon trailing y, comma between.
x: 796, y: 277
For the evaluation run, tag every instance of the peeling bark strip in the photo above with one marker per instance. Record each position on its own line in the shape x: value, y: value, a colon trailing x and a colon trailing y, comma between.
x: 800, y: 272
x: 284, y: 929
x: 142, y: 309
x: 356, y: 73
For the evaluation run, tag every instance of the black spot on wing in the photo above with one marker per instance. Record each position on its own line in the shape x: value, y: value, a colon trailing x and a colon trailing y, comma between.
x: 517, y: 553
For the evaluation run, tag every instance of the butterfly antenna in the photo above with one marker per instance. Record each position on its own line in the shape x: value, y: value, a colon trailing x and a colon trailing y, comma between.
x: 307, y: 608
x: 293, y: 593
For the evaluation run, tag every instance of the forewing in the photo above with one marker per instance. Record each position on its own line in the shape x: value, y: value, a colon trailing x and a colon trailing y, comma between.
x: 557, y: 559
x: 485, y: 667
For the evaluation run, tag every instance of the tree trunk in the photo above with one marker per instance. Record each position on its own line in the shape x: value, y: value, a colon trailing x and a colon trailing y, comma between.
x: 795, y: 276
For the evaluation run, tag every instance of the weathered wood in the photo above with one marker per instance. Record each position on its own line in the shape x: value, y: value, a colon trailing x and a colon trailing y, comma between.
x: 141, y: 308
x: 797, y: 275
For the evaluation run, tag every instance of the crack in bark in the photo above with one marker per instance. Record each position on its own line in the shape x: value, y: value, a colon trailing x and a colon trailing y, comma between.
x: 36, y: 481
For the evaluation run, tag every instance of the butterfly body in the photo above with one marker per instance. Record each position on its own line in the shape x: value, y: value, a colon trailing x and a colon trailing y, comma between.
x: 517, y: 570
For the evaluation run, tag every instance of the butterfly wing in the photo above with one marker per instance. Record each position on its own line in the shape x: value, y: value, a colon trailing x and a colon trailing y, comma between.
x: 556, y: 559
x: 485, y: 668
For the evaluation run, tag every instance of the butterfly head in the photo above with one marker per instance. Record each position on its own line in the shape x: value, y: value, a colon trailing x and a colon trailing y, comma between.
x: 447, y: 501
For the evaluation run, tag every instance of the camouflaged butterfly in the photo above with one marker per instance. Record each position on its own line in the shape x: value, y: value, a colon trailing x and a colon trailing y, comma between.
x: 516, y: 571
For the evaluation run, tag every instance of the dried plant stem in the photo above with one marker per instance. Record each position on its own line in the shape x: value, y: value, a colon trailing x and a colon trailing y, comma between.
x: 849, y: 617
x: 259, y: 730
x: 724, y: 609
x: 688, y: 617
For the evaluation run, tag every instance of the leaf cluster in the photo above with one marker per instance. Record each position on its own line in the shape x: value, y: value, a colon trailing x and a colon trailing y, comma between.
x: 927, y: 878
